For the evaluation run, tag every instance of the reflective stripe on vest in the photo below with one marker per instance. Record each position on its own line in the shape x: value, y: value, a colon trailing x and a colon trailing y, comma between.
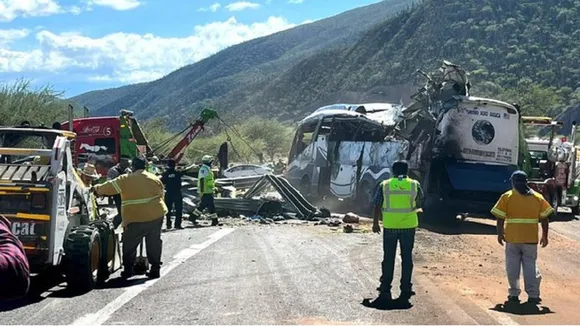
x: 522, y: 220
x: 116, y: 186
x: 412, y: 193
x: 127, y: 202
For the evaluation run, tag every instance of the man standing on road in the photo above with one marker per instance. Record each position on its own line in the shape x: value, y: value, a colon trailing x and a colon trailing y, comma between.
x: 205, y: 188
x: 518, y: 212
x: 143, y: 210
x: 173, y: 196
x: 121, y: 168
x: 397, y: 203
x: 88, y: 176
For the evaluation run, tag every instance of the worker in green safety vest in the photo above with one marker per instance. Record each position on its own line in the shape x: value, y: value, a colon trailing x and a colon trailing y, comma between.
x: 397, y: 202
x: 205, y: 188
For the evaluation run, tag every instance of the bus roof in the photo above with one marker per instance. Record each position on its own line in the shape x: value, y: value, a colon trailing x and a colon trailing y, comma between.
x: 382, y: 113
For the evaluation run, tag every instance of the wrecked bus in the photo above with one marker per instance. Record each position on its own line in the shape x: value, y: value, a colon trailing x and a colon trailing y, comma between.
x: 461, y: 148
x: 343, y: 151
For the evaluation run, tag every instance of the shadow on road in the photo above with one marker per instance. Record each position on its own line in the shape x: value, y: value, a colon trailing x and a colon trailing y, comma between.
x: 564, y: 217
x: 38, y: 286
x: 397, y: 304
x: 522, y: 309
x: 458, y: 227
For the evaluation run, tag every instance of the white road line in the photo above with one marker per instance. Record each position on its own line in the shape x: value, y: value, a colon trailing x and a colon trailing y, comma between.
x: 131, y: 292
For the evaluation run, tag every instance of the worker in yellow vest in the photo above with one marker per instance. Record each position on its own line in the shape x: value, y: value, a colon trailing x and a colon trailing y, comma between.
x: 397, y: 202
x: 518, y: 213
x: 205, y: 188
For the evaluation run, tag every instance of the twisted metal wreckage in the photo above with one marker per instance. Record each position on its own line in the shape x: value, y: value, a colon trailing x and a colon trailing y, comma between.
x: 446, y: 134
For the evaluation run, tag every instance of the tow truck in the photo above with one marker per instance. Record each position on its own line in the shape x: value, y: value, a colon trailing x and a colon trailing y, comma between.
x: 103, y: 140
x: 50, y: 208
x: 554, y: 165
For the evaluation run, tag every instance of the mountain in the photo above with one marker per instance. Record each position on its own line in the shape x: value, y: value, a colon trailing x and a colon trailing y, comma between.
x: 245, y: 65
x: 506, y: 44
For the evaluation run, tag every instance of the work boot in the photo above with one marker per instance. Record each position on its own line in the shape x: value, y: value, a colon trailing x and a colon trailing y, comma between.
x: 534, y: 300
x: 382, y: 301
x: 127, y: 273
x: 406, y: 295
x: 153, y: 274
x: 513, y: 300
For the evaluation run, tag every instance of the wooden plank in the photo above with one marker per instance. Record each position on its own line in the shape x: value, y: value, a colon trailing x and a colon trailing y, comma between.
x: 20, y: 172
x: 42, y: 172
x: 28, y: 174
x: 9, y: 172
x: 3, y: 169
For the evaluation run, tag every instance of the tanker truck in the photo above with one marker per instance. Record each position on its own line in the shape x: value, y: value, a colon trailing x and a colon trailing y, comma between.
x: 465, y: 148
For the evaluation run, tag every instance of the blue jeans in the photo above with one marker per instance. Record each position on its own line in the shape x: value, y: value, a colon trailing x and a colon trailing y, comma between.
x: 406, y: 239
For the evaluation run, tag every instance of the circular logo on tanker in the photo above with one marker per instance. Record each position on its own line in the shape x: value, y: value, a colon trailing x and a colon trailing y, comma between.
x: 107, y: 131
x: 483, y: 132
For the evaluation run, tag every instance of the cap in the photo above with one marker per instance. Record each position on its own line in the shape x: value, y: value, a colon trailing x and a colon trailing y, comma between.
x: 519, y: 175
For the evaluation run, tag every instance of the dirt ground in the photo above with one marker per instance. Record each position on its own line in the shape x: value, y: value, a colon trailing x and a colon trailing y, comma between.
x: 470, y: 262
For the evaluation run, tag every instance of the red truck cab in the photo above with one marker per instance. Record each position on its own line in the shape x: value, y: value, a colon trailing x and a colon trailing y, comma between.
x: 97, y: 142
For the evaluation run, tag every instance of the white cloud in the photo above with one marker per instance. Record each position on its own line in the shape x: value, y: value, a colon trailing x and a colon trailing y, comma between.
x: 242, y: 5
x: 115, y: 4
x: 296, y: 1
x: 75, y: 10
x: 128, y: 57
x: 10, y: 35
x: 11, y: 9
x: 212, y: 8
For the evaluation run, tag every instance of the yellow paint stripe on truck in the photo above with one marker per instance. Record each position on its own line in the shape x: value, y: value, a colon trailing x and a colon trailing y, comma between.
x: 26, y: 216
x: 34, y: 189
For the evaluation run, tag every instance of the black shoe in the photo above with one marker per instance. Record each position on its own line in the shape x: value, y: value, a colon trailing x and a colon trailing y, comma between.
x: 179, y: 227
x: 153, y: 274
x: 513, y: 299
x: 127, y: 273
x: 168, y: 227
x: 214, y: 222
x: 406, y: 295
x: 534, y: 300
x: 382, y: 301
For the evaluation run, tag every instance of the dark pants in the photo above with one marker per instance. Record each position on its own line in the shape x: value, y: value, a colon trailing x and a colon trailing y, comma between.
x: 174, y: 200
x: 118, y: 218
x: 207, y: 202
x: 133, y: 236
x: 406, y: 239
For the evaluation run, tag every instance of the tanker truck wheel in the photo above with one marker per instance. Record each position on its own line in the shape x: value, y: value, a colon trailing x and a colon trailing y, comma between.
x: 82, y: 258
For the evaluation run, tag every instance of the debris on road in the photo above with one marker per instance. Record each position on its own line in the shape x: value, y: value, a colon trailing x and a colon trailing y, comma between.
x: 258, y: 201
x: 350, y: 218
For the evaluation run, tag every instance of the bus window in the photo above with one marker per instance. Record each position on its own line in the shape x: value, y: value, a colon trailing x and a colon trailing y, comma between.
x: 302, y: 139
x: 106, y: 145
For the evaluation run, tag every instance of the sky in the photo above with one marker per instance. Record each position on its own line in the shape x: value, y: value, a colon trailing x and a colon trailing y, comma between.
x: 82, y: 45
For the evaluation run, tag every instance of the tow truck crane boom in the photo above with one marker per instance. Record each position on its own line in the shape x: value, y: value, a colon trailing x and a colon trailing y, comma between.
x: 194, y: 129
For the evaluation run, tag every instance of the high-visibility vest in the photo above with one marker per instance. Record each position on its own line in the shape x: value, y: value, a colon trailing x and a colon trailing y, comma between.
x: 399, y: 205
x: 209, y: 182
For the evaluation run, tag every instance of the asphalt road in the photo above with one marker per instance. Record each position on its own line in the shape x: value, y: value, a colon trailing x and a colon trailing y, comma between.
x: 262, y: 274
